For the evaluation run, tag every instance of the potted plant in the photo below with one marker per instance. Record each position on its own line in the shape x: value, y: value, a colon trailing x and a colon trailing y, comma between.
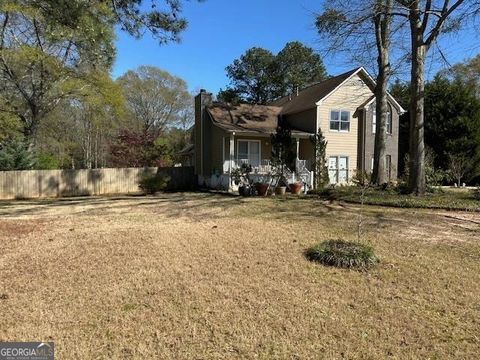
x: 283, y: 156
x: 241, y: 177
x: 262, y: 185
x: 280, y: 190
x: 261, y: 188
x: 279, y: 178
x: 296, y: 187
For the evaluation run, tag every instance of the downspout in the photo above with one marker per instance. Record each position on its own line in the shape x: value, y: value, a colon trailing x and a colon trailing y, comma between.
x: 315, y: 150
x: 223, y: 155
x: 364, y: 135
x: 202, y: 116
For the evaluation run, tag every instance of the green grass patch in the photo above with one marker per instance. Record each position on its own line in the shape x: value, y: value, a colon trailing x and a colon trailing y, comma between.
x: 447, y: 199
x: 343, y: 254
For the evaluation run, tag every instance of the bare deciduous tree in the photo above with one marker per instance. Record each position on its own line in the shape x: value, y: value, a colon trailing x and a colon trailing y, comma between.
x: 155, y: 99
x: 356, y: 27
x: 427, y: 21
x: 382, y: 19
x: 459, y: 166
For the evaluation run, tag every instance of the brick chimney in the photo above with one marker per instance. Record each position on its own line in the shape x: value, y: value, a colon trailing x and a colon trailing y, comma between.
x: 202, y: 100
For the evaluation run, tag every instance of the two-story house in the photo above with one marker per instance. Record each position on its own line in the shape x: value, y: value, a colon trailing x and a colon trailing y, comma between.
x: 343, y: 107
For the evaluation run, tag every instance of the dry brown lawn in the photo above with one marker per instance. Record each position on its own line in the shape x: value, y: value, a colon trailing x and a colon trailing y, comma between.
x: 201, y: 276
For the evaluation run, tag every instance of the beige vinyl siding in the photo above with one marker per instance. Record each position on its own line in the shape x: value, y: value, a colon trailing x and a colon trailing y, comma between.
x: 348, y: 97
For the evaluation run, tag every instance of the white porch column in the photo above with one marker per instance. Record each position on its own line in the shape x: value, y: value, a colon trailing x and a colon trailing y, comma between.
x: 232, y: 151
x: 298, y: 154
x: 223, y: 155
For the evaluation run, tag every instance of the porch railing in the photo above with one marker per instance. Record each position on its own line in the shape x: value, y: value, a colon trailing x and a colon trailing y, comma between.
x: 264, y: 167
x: 302, y: 167
x: 303, y: 172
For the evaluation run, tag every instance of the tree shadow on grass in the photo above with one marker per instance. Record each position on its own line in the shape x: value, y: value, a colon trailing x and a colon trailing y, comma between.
x: 198, y: 207
x: 169, y: 204
x: 12, y: 208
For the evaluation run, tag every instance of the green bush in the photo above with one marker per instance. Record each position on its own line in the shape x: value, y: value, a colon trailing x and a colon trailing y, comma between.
x: 402, y: 188
x: 14, y: 155
x: 343, y: 254
x: 327, y: 192
x: 476, y: 193
x: 150, y: 184
x: 46, y: 161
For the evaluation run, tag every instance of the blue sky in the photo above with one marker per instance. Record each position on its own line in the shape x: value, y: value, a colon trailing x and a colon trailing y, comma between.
x: 220, y: 31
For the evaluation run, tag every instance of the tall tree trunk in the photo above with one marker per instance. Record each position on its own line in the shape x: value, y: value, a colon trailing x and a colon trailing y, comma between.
x: 379, y: 175
x: 30, y: 131
x: 417, y: 181
x: 382, y: 20
x: 96, y: 149
x: 87, y: 147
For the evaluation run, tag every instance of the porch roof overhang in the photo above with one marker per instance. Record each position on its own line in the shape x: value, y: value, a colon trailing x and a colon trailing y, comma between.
x: 267, y: 133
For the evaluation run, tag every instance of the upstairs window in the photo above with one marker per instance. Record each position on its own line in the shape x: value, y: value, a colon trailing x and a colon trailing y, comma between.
x: 389, y: 120
x: 389, y: 125
x: 339, y: 120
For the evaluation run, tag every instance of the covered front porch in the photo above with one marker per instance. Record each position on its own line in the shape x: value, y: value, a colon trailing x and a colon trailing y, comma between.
x: 255, y: 149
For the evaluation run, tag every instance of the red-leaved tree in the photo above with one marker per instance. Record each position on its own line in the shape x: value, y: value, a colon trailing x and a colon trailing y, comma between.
x: 134, y: 149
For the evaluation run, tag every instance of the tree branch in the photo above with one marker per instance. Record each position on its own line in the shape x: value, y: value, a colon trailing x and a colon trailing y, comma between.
x: 445, y: 13
x: 426, y: 15
x: 4, y: 27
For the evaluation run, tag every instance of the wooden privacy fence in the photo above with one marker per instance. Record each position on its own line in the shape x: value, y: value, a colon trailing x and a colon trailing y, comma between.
x: 181, y: 178
x: 55, y: 183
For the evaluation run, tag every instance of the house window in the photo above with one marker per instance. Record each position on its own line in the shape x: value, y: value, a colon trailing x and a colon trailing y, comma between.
x: 374, y: 121
x: 248, y: 152
x: 389, y: 120
x: 389, y: 124
x: 338, y: 169
x: 339, y: 120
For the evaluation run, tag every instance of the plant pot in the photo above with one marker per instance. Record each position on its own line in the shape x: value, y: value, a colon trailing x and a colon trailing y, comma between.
x: 244, y: 190
x: 280, y: 190
x: 296, y: 188
x: 261, y: 189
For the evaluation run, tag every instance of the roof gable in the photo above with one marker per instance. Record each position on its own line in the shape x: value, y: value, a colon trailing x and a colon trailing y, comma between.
x: 308, y: 97
x: 315, y: 94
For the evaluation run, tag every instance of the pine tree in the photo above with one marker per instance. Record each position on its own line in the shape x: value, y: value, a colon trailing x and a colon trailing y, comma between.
x: 320, y: 168
x: 14, y: 155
